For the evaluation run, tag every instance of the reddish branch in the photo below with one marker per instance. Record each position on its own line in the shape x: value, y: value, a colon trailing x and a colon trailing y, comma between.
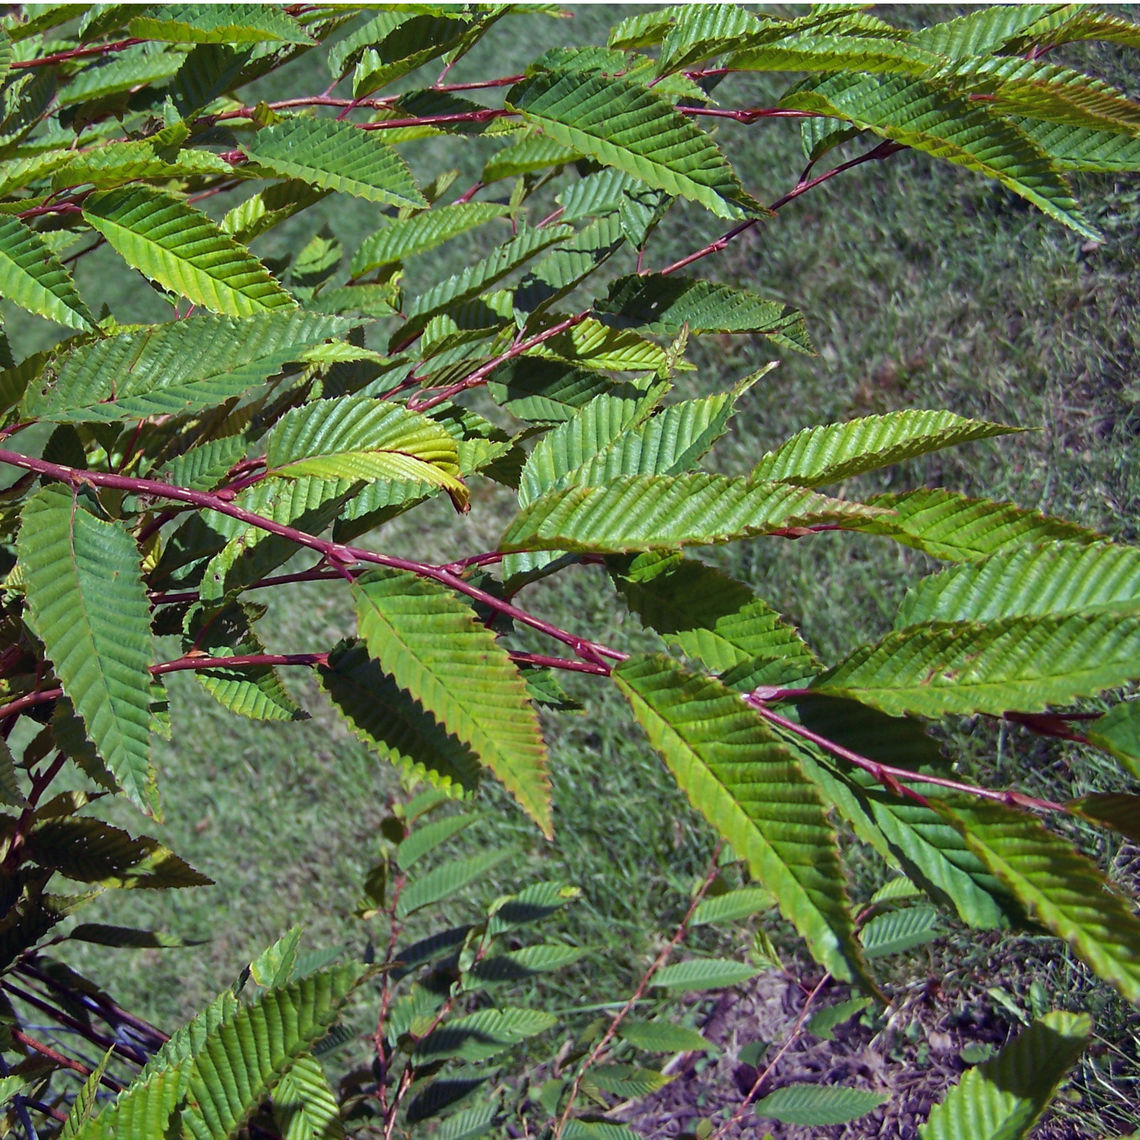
x: 897, y: 780
x: 74, y: 53
x: 335, y: 553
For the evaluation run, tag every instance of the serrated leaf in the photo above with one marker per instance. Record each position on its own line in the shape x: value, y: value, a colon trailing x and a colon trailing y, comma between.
x: 664, y: 1037
x: 520, y: 965
x: 174, y: 368
x: 1023, y: 663
x: 899, y: 930
x: 10, y: 792
x: 87, y: 604
x: 625, y: 1081
x: 182, y: 250
x: 929, y: 118
x: 338, y: 156
x: 203, y: 467
x: 655, y: 512
x: 483, y: 1034
x: 624, y: 125
x: 388, y: 719
x: 434, y: 647
x: 533, y: 152
x: 243, y: 1059
x: 101, y: 934
x: 753, y: 793
x: 742, y: 903
x: 409, y: 45
x: 91, y: 851
x: 704, y: 974
x: 217, y: 24
x: 406, y: 237
x: 32, y: 277
x: 304, y: 1105
x: 1117, y: 810
x: 1053, y: 578
x: 826, y: 454
x: 86, y: 1100
x: 703, y: 30
x: 666, y: 304
x: 1003, y: 1098
x: 1059, y: 888
x: 948, y: 525
x: 428, y: 836
x: 818, y: 1105
x: 531, y: 904
x: 714, y: 618
x: 358, y: 438
x: 469, y: 1124
x: 273, y: 205
x: 444, y: 881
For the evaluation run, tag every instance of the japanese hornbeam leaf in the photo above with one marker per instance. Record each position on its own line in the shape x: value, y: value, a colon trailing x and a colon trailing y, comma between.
x: 182, y: 250
x: 922, y: 115
x: 666, y: 304
x: 949, y: 525
x: 484, y: 1033
x: 662, y: 511
x: 820, y: 455
x: 217, y: 24
x: 1004, y: 1097
x: 819, y: 1105
x: 361, y: 438
x: 750, y: 788
x: 431, y: 644
x: 703, y: 974
x: 1051, y: 578
x: 1083, y: 148
x: 713, y: 618
x: 174, y: 368
x: 623, y: 125
x: 1023, y: 663
x: 1059, y: 888
x: 336, y: 156
x: 388, y: 719
x: 32, y: 277
x: 87, y: 604
x: 304, y: 1105
x: 405, y: 237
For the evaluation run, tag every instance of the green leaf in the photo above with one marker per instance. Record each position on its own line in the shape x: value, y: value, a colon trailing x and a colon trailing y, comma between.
x: 820, y: 51
x: 217, y: 24
x: 625, y: 1081
x: 443, y: 882
x: 664, y: 1037
x: 929, y: 118
x: 1117, y: 810
x: 101, y: 934
x: 704, y: 974
x: 713, y: 618
x: 335, y: 155
x: 826, y: 454
x: 91, y: 851
x: 665, y: 304
x: 304, y: 1105
x: 433, y: 646
x: 429, y: 836
x: 818, y: 1105
x: 1082, y: 148
x: 356, y: 437
x: 408, y: 46
x: 1058, y: 887
x: 655, y: 512
x: 1057, y: 578
x: 734, y: 905
x: 174, y: 368
x: 32, y: 277
x: 87, y: 604
x: 519, y: 965
x: 10, y: 792
x: 83, y: 1107
x: 624, y: 125
x: 405, y: 237
x: 203, y: 467
x: 483, y: 1034
x: 182, y: 250
x: 822, y: 1023
x: 899, y: 930
x: 1118, y: 732
x: 388, y: 719
x: 754, y: 794
x: 243, y: 1059
x: 951, y: 526
x: 1003, y: 1098
x: 273, y: 205
x: 1023, y: 663
x: 530, y: 153
x: 704, y: 30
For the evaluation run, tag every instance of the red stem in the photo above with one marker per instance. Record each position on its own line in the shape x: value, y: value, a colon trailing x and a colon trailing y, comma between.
x: 74, y: 53
x: 336, y: 554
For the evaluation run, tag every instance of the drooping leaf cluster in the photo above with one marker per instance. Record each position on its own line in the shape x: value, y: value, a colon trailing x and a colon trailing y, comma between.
x: 167, y: 478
